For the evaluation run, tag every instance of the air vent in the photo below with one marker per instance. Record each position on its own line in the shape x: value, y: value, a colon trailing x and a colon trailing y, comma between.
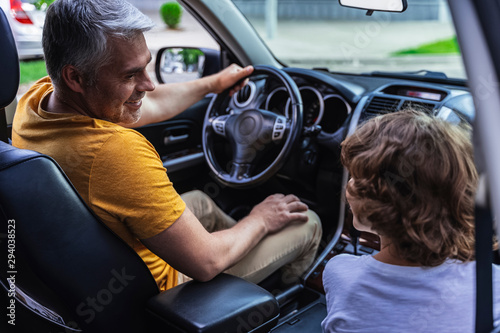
x: 419, y: 106
x: 244, y: 94
x: 382, y: 105
x: 243, y: 97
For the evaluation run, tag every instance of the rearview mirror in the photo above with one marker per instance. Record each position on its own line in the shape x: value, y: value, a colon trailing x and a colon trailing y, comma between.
x: 376, y: 5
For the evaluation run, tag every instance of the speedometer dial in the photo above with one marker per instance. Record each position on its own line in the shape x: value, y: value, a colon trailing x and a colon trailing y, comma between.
x: 278, y: 101
x: 314, y: 106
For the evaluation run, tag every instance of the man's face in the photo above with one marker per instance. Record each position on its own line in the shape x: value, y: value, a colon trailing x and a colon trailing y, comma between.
x: 121, y: 83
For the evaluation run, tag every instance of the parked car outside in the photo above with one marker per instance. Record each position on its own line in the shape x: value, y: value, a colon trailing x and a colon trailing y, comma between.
x: 26, y: 23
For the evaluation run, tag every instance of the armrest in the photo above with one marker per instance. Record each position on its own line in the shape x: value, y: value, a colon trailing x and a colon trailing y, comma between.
x: 224, y: 304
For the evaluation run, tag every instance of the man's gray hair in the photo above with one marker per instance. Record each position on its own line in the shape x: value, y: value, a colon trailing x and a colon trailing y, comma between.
x: 76, y: 33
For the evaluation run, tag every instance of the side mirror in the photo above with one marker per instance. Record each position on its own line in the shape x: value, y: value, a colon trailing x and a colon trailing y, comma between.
x: 180, y: 64
x: 376, y: 5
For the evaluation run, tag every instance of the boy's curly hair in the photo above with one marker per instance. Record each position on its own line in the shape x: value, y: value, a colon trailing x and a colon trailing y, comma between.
x: 416, y: 176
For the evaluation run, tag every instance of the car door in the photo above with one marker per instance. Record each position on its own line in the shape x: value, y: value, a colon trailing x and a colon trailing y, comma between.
x: 178, y: 142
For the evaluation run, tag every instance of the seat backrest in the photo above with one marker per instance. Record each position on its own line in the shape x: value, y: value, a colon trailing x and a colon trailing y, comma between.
x: 99, y: 279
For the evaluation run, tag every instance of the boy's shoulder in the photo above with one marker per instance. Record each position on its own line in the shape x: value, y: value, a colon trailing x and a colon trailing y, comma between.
x: 345, y: 262
x: 496, y: 273
x: 350, y: 258
x: 343, y: 270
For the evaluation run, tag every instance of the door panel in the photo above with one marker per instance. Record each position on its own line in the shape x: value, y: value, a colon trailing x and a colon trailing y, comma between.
x: 178, y: 142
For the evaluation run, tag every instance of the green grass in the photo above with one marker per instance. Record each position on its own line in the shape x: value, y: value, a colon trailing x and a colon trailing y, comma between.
x: 447, y: 46
x: 32, y: 70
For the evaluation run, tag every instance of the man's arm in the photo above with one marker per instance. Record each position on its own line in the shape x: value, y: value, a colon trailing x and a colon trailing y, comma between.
x: 168, y: 100
x: 189, y: 248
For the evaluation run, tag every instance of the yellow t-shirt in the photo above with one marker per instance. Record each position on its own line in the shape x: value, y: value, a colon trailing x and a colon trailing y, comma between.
x: 116, y: 170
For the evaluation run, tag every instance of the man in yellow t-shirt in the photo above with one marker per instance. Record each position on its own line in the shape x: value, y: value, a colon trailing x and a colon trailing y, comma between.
x: 98, y: 87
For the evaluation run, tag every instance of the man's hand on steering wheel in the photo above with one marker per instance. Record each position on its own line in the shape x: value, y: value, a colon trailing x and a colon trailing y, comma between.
x: 232, y: 77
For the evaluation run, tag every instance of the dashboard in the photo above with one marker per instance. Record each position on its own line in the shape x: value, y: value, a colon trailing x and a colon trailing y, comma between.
x: 333, y: 103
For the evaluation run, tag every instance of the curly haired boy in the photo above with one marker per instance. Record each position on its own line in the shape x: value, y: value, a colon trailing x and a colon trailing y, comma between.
x: 412, y: 183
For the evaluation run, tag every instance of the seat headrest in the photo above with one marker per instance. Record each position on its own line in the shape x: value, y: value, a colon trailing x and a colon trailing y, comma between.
x: 9, y: 63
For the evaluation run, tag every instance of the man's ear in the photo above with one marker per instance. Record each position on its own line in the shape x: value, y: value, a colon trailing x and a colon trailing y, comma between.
x: 73, y: 78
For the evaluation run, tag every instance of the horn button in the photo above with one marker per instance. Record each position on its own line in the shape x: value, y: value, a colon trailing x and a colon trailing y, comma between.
x: 248, y: 127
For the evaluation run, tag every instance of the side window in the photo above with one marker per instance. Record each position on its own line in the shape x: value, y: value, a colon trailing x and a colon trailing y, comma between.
x: 183, y: 53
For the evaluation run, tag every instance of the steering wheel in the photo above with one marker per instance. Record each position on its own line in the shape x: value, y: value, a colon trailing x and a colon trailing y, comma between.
x: 250, y: 130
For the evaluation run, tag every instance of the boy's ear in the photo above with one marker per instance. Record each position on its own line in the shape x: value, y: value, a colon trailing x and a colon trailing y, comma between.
x: 73, y: 78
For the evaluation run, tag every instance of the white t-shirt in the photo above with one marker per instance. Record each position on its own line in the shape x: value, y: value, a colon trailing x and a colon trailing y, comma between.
x: 366, y: 295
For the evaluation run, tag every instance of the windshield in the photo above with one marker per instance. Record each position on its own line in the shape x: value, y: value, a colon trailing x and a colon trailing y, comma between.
x: 312, y: 34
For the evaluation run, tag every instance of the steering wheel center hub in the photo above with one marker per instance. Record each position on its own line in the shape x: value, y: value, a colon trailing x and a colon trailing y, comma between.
x: 248, y: 127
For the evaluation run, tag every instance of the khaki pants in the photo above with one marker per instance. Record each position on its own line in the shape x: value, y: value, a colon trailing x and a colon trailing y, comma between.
x: 292, y: 248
